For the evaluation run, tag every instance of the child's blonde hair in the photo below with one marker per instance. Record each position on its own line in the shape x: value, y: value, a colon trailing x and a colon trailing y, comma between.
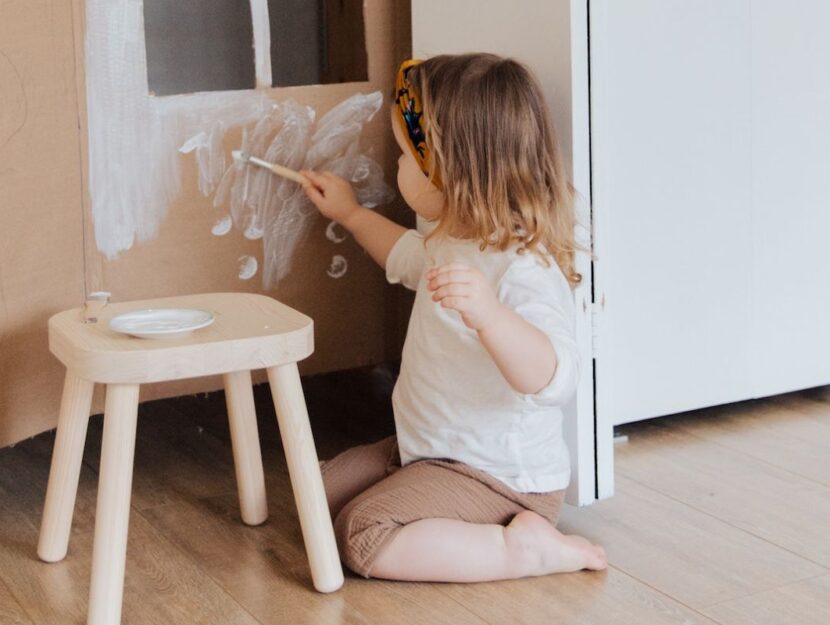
x: 497, y: 157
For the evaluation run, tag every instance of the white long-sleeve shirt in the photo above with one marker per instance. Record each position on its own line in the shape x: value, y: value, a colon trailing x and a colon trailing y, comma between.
x: 451, y: 400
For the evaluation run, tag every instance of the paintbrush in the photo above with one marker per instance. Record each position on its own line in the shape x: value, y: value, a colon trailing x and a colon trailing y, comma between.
x: 285, y: 172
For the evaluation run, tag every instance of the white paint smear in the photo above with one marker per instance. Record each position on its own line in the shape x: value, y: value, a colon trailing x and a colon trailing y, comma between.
x: 287, y: 135
x: 222, y: 226
x: 262, y: 42
x: 247, y: 267
x: 338, y: 266
x: 134, y: 171
x: 335, y: 232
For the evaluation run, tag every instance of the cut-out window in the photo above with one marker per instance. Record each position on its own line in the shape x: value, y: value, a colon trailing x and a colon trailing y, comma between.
x: 317, y: 42
x: 209, y: 45
x: 198, y: 45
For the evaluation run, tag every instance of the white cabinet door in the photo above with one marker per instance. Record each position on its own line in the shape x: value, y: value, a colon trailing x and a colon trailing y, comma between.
x: 551, y: 38
x: 790, y: 305
x: 710, y: 135
x: 670, y: 142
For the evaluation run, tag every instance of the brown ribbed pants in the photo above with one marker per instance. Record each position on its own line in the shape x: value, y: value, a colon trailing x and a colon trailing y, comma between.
x: 371, y: 497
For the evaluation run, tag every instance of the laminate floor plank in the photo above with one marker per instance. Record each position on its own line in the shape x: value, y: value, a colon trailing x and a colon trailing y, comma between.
x: 162, y: 586
x: 680, y: 551
x: 11, y: 612
x: 609, y: 597
x: 265, y: 568
x: 806, y: 602
x: 751, y: 494
x: 786, y: 433
x: 174, y: 458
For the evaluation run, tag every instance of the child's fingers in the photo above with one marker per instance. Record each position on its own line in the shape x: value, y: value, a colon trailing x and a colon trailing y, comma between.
x: 451, y: 290
x: 457, y: 272
x: 455, y: 303
x: 454, y: 276
x: 453, y: 266
x: 313, y: 193
x: 315, y: 178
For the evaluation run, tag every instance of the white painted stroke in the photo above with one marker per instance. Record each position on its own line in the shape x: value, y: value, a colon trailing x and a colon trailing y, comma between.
x: 222, y: 226
x: 247, y: 267
x: 134, y: 171
x: 262, y: 42
x: 338, y: 266
x: 335, y: 232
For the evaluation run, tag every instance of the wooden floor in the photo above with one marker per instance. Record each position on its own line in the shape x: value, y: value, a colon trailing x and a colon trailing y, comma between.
x: 721, y: 516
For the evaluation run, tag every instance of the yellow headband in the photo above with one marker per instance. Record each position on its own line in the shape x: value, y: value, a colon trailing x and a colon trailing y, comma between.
x: 411, y: 117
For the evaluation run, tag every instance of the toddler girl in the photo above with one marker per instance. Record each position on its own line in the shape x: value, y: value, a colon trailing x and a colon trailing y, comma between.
x: 471, y: 486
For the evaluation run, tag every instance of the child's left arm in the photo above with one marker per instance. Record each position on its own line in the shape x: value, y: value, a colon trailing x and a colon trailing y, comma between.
x: 523, y: 353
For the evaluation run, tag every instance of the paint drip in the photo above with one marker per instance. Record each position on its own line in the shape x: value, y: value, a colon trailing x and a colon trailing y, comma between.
x: 338, y: 266
x: 247, y: 267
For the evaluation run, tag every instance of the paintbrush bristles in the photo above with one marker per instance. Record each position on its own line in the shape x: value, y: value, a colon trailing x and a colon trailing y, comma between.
x: 285, y: 172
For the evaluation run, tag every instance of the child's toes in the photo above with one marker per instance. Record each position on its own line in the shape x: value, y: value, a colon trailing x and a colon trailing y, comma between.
x: 598, y: 561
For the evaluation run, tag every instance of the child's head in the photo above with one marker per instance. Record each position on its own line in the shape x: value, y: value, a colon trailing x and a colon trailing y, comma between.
x: 488, y: 167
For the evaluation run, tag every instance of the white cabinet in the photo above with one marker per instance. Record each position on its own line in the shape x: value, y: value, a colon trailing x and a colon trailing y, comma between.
x: 710, y: 142
x: 700, y: 134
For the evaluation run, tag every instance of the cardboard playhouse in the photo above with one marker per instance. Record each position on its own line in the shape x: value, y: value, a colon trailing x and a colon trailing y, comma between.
x: 117, y: 122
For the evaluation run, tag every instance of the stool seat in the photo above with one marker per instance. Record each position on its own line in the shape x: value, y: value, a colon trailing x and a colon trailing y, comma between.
x: 250, y: 331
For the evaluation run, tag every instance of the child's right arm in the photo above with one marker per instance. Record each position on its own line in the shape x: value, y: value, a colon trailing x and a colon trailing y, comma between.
x: 334, y: 197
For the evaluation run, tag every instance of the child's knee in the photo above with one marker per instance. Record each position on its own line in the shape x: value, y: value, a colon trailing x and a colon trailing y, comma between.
x: 360, y: 529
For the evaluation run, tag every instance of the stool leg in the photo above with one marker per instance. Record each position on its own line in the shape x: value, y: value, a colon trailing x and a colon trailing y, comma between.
x: 67, y: 454
x: 247, y: 457
x: 112, y: 514
x: 306, y: 481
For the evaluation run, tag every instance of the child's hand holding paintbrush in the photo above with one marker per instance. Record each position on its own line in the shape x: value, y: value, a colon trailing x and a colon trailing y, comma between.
x: 335, y: 199
x: 285, y: 172
x: 331, y: 194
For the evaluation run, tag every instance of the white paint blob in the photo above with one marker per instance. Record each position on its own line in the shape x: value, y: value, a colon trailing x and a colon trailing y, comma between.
x: 222, y: 226
x: 253, y: 232
x: 247, y: 267
x: 335, y: 232
x: 338, y: 266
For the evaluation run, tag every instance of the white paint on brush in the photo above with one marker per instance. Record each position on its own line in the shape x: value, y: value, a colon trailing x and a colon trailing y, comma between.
x: 338, y: 266
x: 335, y: 233
x: 222, y: 226
x: 262, y: 42
x: 247, y: 267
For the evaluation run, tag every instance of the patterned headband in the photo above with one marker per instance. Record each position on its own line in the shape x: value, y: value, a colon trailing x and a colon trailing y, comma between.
x: 410, y: 114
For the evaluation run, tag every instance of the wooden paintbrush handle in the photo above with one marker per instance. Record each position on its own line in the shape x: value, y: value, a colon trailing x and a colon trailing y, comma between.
x: 289, y: 173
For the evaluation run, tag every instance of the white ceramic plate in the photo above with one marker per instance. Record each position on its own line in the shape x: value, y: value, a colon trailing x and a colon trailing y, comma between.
x: 161, y: 323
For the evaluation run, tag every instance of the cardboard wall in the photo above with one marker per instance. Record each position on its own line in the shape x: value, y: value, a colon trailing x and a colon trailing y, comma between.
x: 48, y: 257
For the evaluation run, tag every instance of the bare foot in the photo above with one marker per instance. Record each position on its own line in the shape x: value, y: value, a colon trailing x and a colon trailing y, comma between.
x: 544, y: 549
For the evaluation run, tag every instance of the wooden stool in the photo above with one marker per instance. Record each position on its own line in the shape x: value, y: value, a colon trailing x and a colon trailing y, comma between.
x: 250, y: 331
